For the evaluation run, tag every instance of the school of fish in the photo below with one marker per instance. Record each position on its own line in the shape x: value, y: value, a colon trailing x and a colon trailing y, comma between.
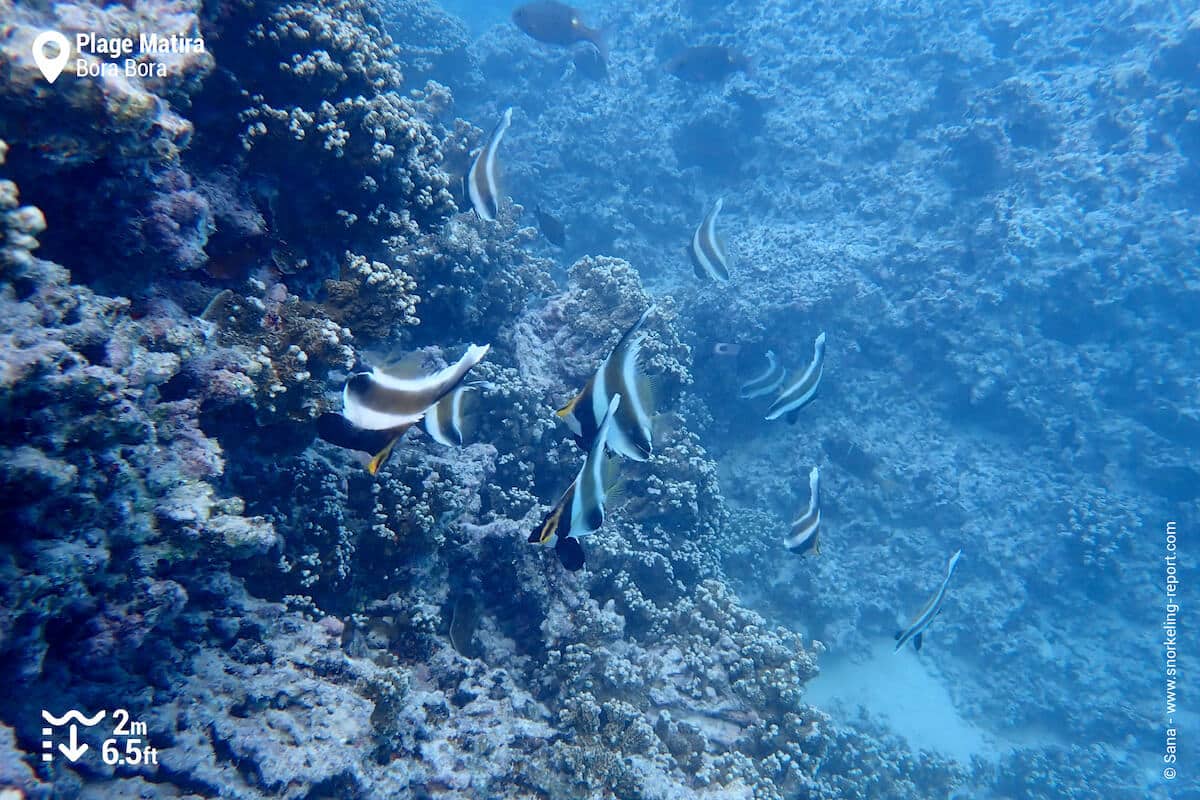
x: 612, y: 416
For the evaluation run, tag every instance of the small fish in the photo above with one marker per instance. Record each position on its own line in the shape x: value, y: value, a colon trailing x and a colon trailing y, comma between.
x: 726, y: 349
x: 580, y: 510
x: 707, y: 249
x: 807, y: 527
x: 707, y: 64
x: 483, y: 183
x: 551, y: 227
x: 916, y: 630
x: 464, y: 621
x: 448, y: 422
x: 552, y: 22
x: 590, y: 64
x: 766, y: 381
x: 800, y: 391
x: 617, y: 374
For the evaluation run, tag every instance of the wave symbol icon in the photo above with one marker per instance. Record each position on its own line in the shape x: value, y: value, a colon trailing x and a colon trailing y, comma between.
x: 72, y: 715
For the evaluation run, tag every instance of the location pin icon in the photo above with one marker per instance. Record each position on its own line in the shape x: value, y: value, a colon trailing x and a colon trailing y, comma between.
x: 51, y: 66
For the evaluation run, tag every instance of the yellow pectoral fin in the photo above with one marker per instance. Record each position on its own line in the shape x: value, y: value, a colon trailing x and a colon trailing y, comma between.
x: 566, y: 410
x: 551, y: 525
x: 379, y: 459
x: 569, y: 408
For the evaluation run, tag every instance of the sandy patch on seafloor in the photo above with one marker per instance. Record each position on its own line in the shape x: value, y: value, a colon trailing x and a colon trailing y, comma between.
x: 901, y: 691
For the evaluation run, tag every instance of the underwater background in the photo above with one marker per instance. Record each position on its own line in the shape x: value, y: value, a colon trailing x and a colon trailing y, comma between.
x: 990, y: 209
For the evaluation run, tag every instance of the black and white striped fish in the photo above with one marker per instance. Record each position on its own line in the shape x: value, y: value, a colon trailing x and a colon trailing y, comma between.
x: 800, y: 391
x: 766, y: 381
x: 483, y: 181
x: 621, y: 374
x: 916, y: 630
x: 580, y: 510
x: 707, y: 250
x: 394, y: 400
x: 448, y: 422
x: 805, y: 530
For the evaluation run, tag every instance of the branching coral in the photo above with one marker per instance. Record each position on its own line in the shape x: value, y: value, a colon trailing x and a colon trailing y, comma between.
x: 374, y: 298
x: 472, y: 277
x: 110, y: 484
x: 374, y: 156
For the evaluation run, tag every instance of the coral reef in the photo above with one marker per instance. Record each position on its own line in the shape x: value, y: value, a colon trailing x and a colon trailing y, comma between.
x: 20, y: 225
x: 990, y: 235
x: 118, y: 135
x: 274, y: 355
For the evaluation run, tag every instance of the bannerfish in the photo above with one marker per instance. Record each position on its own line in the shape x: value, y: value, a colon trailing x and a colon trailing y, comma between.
x: 800, y: 391
x: 620, y: 373
x: 448, y: 422
x: 483, y: 182
x: 807, y: 527
x: 580, y: 510
x: 707, y: 64
x: 551, y: 22
x: 916, y: 630
x: 551, y: 227
x: 396, y: 398
x: 766, y: 381
x: 590, y: 64
x: 707, y: 250
x: 385, y: 399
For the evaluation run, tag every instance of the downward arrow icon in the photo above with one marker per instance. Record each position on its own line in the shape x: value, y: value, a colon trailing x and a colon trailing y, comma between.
x: 76, y: 748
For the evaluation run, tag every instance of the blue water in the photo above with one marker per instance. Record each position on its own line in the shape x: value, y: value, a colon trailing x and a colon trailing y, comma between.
x: 215, y: 279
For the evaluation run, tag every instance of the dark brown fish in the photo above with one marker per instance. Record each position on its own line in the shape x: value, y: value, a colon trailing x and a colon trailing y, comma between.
x: 707, y: 64
x: 551, y: 226
x: 557, y: 23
